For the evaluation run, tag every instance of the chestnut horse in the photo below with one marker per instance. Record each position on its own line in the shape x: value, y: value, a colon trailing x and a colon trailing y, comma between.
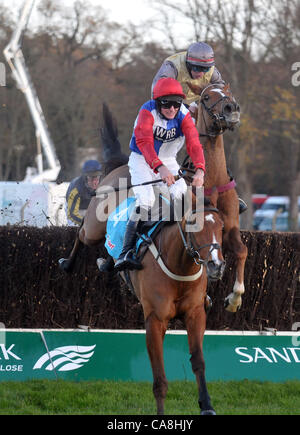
x: 173, y: 283
x: 217, y: 112
x: 178, y: 289
x: 161, y: 295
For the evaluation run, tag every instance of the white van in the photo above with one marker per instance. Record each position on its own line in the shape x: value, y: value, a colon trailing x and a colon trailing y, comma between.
x: 272, y: 205
x: 279, y: 223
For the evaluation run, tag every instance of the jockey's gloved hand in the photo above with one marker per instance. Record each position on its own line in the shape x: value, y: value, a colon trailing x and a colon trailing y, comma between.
x: 166, y: 175
x: 198, y: 178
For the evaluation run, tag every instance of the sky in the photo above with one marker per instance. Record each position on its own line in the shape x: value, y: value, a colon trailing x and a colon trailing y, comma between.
x: 118, y: 10
x: 126, y: 10
x: 121, y: 11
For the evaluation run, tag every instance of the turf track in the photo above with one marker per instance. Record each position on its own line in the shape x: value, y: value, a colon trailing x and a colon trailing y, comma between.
x: 135, y: 398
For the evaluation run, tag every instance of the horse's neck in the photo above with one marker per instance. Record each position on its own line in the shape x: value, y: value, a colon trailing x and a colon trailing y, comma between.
x: 173, y: 251
x: 215, y: 160
x: 216, y: 169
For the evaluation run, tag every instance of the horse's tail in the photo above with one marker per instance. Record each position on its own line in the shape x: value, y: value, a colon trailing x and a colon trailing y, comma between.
x: 112, y: 156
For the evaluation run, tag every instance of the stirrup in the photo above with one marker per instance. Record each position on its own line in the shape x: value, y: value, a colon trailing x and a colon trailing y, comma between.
x: 242, y: 206
x: 128, y: 261
x: 105, y: 264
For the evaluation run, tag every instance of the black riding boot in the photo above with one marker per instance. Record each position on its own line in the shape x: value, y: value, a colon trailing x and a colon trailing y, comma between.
x: 127, y: 258
x: 242, y: 206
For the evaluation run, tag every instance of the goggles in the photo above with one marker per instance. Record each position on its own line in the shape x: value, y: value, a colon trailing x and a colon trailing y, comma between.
x: 167, y: 104
x: 199, y: 68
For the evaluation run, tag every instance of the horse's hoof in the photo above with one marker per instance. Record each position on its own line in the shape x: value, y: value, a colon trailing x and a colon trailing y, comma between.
x: 64, y: 264
x: 208, y: 412
x: 226, y: 302
x: 207, y: 304
x: 229, y: 306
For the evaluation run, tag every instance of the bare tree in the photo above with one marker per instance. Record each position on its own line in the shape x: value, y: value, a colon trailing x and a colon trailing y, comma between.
x: 246, y: 34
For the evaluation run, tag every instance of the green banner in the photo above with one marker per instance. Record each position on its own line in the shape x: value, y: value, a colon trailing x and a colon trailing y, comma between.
x: 122, y: 355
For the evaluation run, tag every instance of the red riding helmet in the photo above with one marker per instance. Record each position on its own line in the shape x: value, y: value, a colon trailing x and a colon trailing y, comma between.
x: 167, y: 87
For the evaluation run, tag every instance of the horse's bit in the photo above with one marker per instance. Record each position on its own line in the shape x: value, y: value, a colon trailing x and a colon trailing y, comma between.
x: 189, y: 242
x: 216, y: 117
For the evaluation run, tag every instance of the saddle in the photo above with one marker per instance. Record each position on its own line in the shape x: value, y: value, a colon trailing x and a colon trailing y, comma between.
x: 147, y: 229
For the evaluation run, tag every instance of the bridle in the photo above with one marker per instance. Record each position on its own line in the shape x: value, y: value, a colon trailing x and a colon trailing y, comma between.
x: 219, y: 119
x: 191, y: 249
x: 190, y: 243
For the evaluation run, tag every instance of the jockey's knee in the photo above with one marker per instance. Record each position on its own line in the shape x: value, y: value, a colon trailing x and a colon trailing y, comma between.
x: 145, y: 201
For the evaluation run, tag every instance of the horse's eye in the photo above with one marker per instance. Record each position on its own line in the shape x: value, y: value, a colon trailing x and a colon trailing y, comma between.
x: 206, y: 97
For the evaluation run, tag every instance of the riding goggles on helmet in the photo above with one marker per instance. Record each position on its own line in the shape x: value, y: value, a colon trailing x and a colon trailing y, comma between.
x: 167, y: 104
x: 199, y: 68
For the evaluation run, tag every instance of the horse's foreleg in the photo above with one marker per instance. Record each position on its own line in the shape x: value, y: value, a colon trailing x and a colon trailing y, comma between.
x: 195, y: 324
x: 155, y: 332
x: 234, y: 243
x: 67, y: 264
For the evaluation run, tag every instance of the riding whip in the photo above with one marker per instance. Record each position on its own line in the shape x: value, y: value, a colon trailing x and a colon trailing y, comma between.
x: 118, y: 189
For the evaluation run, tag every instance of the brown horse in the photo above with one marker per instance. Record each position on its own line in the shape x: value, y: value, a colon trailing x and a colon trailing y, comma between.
x: 173, y: 283
x: 170, y: 284
x: 217, y: 111
x: 175, y: 286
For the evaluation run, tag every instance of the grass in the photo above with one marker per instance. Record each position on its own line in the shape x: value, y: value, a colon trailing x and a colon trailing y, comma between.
x: 135, y: 398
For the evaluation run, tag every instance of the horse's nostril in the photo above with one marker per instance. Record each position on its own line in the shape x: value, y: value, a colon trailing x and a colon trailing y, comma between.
x: 228, y: 108
x: 215, y: 271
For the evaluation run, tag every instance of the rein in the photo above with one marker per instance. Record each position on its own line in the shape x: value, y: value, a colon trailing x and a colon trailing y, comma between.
x: 190, y: 249
x: 215, y: 117
x: 207, y: 192
x: 189, y: 242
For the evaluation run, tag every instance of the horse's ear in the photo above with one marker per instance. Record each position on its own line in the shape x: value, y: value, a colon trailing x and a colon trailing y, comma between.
x: 194, y: 88
x: 214, y: 197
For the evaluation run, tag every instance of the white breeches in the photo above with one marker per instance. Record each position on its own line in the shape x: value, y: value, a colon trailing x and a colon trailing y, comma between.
x: 141, y: 172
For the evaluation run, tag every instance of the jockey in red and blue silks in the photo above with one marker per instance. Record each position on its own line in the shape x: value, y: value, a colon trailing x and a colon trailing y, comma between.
x: 162, y: 126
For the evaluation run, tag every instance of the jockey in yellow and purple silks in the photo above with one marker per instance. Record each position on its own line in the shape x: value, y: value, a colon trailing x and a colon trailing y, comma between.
x: 196, y: 65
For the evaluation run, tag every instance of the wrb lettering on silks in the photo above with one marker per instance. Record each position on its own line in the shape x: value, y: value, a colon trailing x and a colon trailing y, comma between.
x: 162, y: 133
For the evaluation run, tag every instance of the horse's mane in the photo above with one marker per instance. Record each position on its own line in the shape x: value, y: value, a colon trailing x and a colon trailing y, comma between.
x: 112, y: 156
